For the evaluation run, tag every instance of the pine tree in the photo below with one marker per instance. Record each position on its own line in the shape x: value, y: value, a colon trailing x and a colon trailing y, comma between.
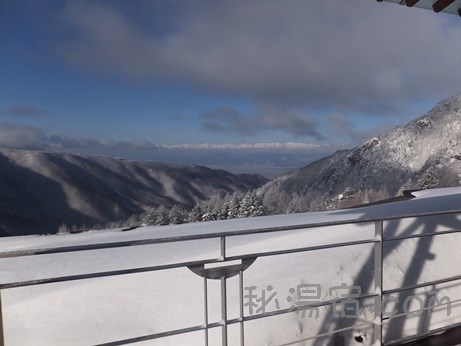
x: 177, y: 215
x: 150, y: 217
x: 63, y: 229
x: 162, y: 216
x: 234, y: 207
x: 223, y: 211
x: 195, y: 214
x: 156, y: 216
x: 250, y: 206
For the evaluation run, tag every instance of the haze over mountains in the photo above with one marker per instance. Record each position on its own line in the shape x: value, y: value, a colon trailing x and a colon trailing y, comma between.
x: 425, y: 153
x: 267, y: 159
x: 40, y: 190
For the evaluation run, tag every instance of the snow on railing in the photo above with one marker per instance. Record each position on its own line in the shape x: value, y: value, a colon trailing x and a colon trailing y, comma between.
x: 225, y: 266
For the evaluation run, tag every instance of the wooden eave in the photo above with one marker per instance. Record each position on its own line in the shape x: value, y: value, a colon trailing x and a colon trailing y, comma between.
x: 445, y: 6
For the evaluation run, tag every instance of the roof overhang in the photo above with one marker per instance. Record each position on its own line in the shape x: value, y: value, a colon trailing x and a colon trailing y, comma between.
x: 447, y: 6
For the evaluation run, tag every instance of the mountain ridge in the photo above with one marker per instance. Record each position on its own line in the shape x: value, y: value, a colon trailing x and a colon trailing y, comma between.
x: 41, y: 190
x: 424, y: 153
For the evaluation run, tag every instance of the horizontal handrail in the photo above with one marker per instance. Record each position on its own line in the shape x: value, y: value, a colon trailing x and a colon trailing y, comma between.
x: 421, y: 335
x: 104, y: 274
x: 422, y: 235
x: 424, y: 284
x: 419, y: 311
x: 231, y: 233
x: 245, y: 319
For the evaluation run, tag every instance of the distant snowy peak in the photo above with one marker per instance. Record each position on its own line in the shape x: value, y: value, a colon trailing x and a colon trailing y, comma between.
x: 246, y: 146
x: 452, y: 103
x: 434, y: 136
x: 446, y: 115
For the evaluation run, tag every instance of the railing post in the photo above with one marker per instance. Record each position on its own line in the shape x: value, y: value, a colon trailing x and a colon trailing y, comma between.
x: 378, y: 279
x: 223, y: 248
x: 242, y: 310
x: 205, y: 307
x: 2, y: 335
x: 224, y: 295
x: 224, y: 310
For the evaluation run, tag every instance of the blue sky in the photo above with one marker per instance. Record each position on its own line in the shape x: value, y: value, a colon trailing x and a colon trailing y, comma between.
x: 102, y: 74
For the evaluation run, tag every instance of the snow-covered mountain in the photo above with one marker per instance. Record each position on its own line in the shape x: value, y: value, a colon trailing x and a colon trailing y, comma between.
x: 41, y: 190
x: 425, y: 153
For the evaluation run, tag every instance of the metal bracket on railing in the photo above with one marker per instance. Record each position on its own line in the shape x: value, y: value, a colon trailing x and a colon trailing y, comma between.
x: 224, y: 269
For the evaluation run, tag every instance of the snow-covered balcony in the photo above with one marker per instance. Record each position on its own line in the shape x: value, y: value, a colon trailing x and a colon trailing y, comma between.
x: 378, y: 274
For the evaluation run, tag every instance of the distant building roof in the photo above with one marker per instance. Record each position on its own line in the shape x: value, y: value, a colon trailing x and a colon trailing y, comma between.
x: 448, y: 6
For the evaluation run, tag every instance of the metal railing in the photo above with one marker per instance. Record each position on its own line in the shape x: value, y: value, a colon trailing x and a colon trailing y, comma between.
x: 224, y: 266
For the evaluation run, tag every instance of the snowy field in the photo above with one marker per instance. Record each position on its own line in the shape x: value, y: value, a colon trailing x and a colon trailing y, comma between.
x: 102, y: 310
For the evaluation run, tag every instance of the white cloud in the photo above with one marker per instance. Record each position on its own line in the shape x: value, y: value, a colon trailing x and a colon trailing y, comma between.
x: 349, y: 55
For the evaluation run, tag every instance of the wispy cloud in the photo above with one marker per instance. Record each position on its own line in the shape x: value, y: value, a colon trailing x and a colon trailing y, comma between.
x: 24, y: 111
x: 340, y: 126
x: 17, y: 136
x: 21, y: 137
x: 231, y: 121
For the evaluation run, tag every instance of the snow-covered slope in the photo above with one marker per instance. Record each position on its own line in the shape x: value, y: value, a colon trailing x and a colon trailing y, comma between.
x: 41, y: 190
x: 425, y: 153
x: 107, y: 309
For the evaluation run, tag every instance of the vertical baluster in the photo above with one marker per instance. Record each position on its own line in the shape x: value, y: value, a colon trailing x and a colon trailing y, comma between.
x: 205, y: 303
x: 378, y: 279
x: 224, y: 295
x: 242, y: 311
x: 224, y: 310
